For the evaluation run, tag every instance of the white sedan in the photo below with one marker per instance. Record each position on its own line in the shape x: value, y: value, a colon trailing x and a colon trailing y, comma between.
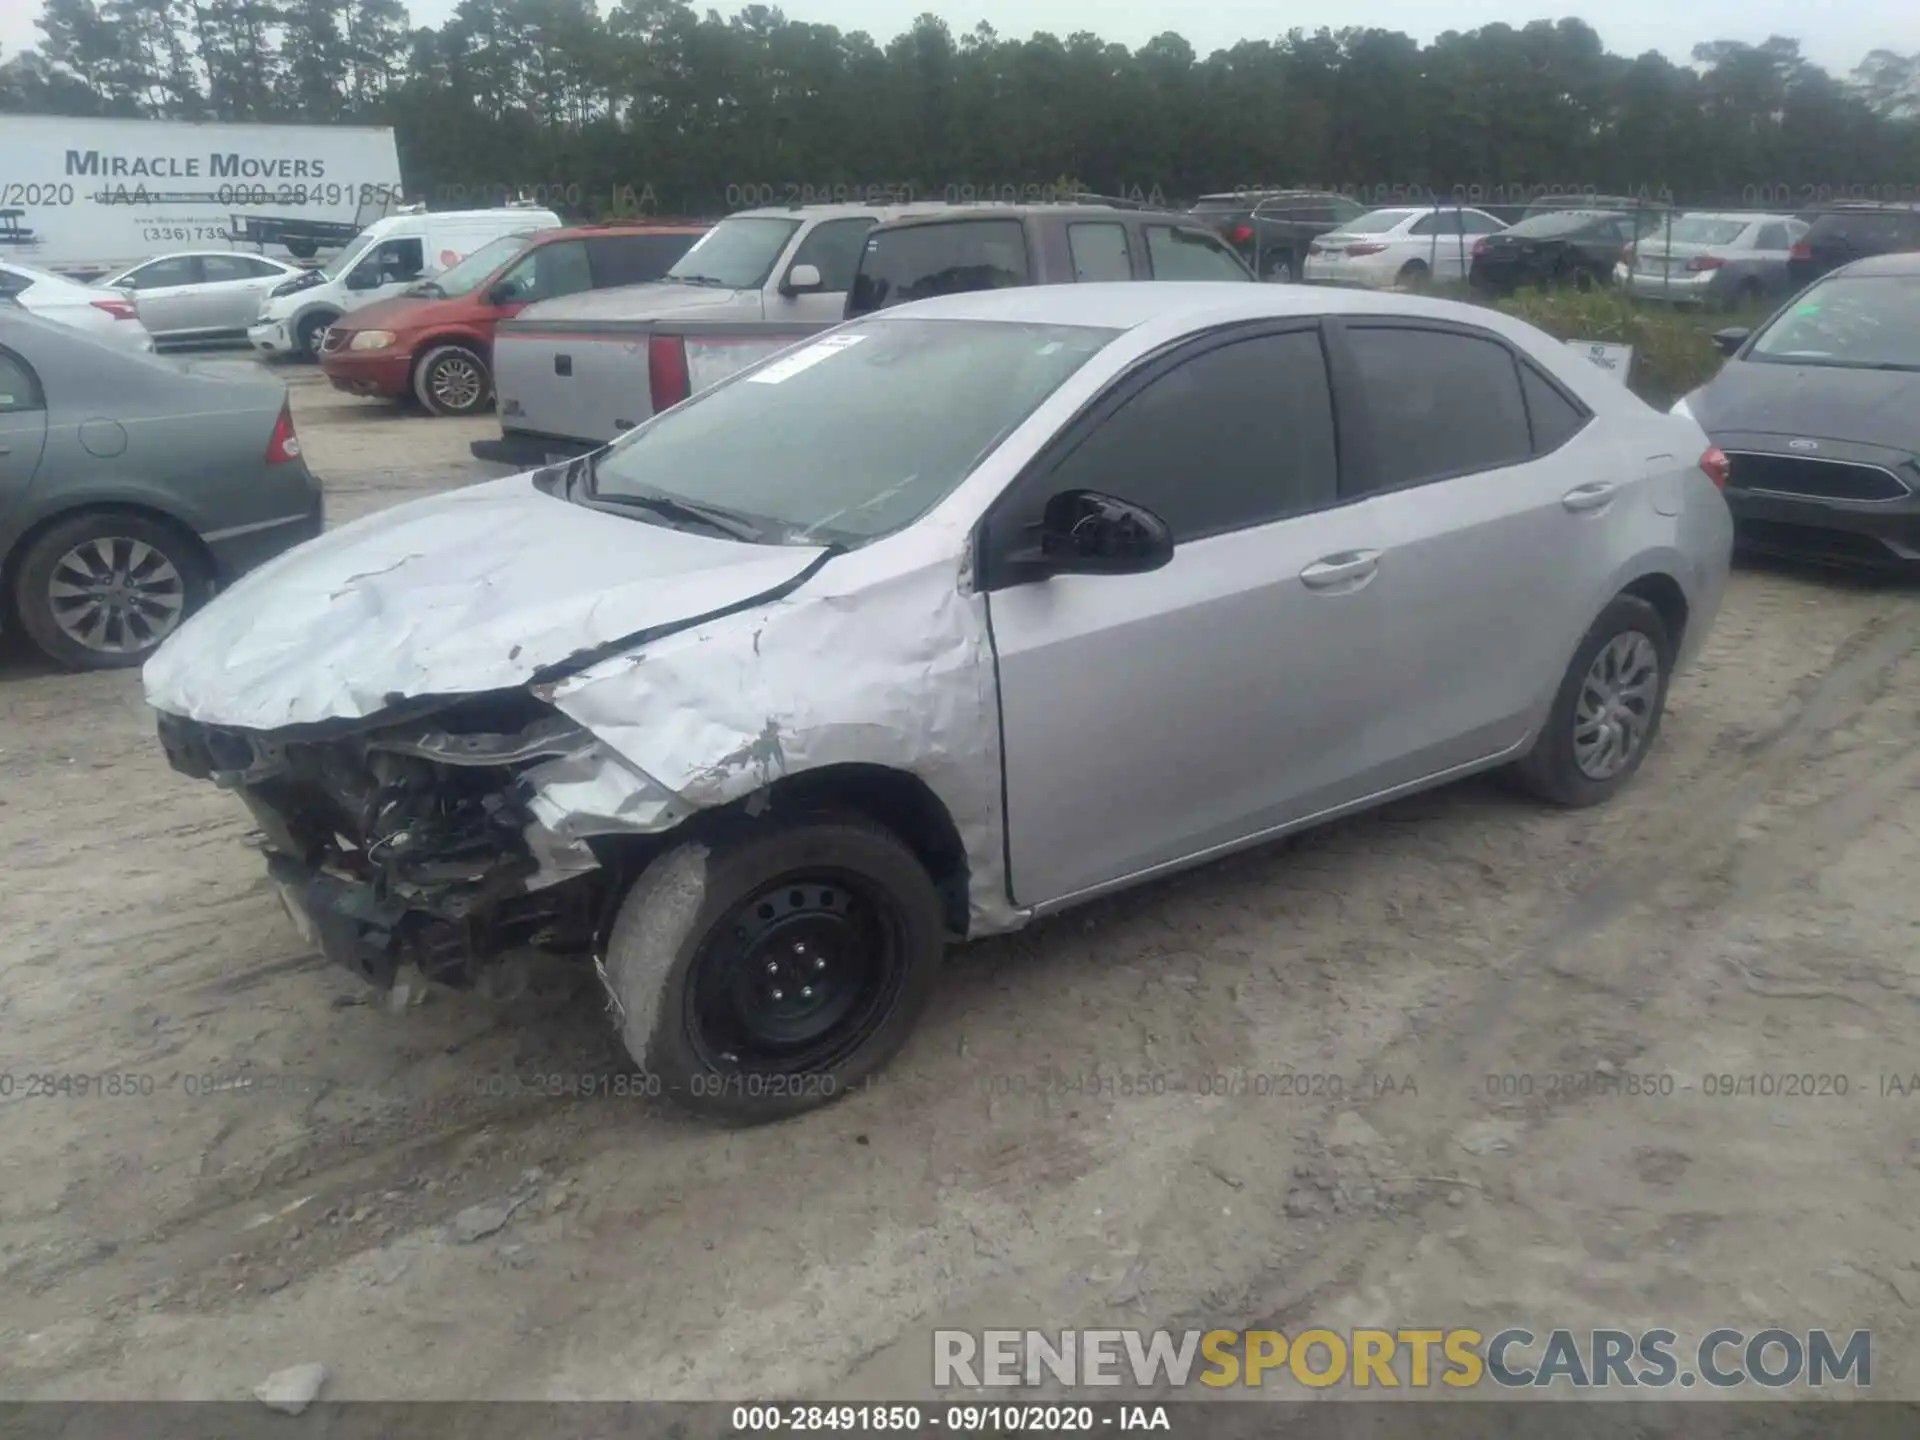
x: 54, y: 297
x: 1401, y: 247
x: 200, y: 295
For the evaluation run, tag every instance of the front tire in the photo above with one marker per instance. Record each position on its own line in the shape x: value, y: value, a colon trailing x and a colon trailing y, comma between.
x: 307, y: 339
x: 101, y: 590
x: 452, y: 380
x: 1607, y: 711
x: 769, y: 972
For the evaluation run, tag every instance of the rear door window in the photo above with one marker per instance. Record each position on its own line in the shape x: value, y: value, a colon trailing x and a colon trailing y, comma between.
x: 1438, y: 403
x: 161, y: 274
x: 217, y: 269
x: 1771, y: 237
x: 1099, y: 252
x: 557, y: 269
x: 633, y: 259
x: 1552, y: 416
x: 1174, y: 254
x: 19, y: 388
x: 949, y: 257
x: 833, y: 248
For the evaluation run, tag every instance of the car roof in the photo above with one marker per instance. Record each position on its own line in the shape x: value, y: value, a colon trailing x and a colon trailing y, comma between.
x: 1060, y: 211
x: 581, y: 232
x: 839, y: 212
x: 1898, y: 265
x: 1126, y: 305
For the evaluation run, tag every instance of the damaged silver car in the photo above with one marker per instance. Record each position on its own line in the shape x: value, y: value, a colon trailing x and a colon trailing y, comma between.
x: 959, y: 615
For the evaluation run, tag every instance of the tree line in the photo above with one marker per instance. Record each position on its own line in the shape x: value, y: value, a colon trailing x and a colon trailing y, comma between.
x: 655, y: 106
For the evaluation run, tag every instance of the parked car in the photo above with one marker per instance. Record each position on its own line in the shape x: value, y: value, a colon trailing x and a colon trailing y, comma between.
x: 1273, y: 228
x: 1716, y: 260
x: 965, y: 613
x: 131, y: 486
x: 201, y: 294
x: 1839, y: 234
x: 389, y: 256
x: 113, y: 319
x: 1818, y: 412
x: 950, y: 252
x: 1575, y: 248
x: 435, y: 342
x: 1403, y: 246
x: 575, y: 373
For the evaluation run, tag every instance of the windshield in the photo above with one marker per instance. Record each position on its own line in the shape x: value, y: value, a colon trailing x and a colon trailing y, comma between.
x: 853, y: 436
x: 737, y: 253
x: 1701, y: 230
x: 465, y: 275
x: 1374, y: 222
x: 1557, y: 223
x: 1861, y: 322
x: 344, y: 261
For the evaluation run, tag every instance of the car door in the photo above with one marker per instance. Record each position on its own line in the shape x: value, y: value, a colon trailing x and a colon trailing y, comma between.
x: 232, y: 287
x: 23, y: 427
x: 1153, y: 718
x: 1772, y: 245
x: 1440, y: 244
x: 545, y: 273
x: 1498, y: 491
x: 1097, y: 250
x: 833, y: 248
x: 1181, y: 252
x: 166, y: 293
x: 386, y: 269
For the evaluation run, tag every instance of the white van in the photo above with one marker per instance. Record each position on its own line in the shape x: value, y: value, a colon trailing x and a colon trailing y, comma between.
x: 385, y: 259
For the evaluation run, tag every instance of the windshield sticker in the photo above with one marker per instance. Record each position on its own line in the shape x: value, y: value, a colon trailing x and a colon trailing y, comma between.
x: 808, y: 358
x: 1813, y: 309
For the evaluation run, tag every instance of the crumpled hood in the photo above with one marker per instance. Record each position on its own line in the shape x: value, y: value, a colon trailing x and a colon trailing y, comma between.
x: 1872, y: 407
x: 474, y: 590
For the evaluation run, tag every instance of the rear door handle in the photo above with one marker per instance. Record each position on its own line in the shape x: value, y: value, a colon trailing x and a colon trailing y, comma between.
x: 1348, y: 569
x: 1589, y: 497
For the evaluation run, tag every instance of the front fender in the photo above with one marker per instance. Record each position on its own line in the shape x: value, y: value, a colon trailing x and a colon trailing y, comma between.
x: 895, y: 672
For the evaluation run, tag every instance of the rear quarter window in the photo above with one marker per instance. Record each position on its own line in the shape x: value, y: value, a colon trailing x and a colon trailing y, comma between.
x: 634, y: 259
x: 917, y: 262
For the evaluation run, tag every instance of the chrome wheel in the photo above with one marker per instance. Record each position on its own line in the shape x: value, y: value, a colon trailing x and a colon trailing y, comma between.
x: 457, y: 383
x: 116, y: 595
x: 1616, y: 704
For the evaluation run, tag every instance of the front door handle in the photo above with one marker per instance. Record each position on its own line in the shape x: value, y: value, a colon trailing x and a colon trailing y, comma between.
x: 1589, y: 497
x: 1348, y: 569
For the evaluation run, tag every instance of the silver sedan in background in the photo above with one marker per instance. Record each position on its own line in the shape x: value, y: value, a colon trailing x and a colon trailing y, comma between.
x: 200, y: 295
x: 1718, y: 260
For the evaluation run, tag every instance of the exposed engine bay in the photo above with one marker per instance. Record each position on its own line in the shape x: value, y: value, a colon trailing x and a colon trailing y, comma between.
x: 426, y: 836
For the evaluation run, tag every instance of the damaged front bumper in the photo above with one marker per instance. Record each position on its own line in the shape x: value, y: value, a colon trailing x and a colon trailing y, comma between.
x: 443, y: 840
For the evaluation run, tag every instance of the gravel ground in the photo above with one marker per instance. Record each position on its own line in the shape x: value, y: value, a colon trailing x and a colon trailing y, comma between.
x: 291, y: 1172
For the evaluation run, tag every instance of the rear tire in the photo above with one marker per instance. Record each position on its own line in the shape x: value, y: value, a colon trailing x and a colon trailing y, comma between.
x: 137, y: 576
x: 1281, y: 269
x: 452, y: 380
x: 1631, y: 641
x: 1412, y: 275
x: 716, y: 946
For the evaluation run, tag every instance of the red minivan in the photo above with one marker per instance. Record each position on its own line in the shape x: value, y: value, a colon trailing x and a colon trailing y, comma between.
x: 435, y: 343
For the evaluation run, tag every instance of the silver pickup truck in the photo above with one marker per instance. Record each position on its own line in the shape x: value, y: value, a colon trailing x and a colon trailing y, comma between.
x: 571, y: 374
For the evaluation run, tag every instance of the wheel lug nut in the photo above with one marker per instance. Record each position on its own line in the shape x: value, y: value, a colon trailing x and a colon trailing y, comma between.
x: 819, y: 964
x: 773, y: 967
x: 806, y: 992
x: 779, y: 994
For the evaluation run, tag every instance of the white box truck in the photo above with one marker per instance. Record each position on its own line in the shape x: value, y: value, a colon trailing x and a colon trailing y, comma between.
x: 85, y: 197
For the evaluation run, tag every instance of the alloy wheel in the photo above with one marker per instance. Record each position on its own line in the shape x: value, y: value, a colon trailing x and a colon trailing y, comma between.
x: 116, y: 595
x: 1616, y: 705
x: 457, y: 383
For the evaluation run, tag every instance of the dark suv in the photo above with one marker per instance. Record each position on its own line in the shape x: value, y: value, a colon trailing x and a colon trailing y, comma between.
x: 1271, y: 229
x: 1841, y: 233
x: 1001, y: 246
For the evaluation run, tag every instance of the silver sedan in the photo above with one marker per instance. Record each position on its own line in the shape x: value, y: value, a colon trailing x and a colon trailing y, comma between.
x: 1723, y: 261
x: 201, y: 294
x: 961, y: 614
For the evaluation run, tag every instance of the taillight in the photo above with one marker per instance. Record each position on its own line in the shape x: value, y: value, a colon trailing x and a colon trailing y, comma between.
x: 1480, y: 247
x: 1627, y: 254
x: 1316, y: 248
x: 1801, y: 251
x: 285, y: 445
x: 1353, y: 250
x: 1705, y: 262
x: 1240, y: 234
x: 1717, y: 466
x: 667, y: 381
x: 118, y: 309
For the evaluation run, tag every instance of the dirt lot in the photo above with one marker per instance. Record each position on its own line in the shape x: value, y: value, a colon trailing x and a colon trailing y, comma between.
x: 1747, y: 908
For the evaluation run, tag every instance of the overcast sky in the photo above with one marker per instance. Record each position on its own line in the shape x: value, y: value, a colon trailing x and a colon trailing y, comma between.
x: 1835, y: 35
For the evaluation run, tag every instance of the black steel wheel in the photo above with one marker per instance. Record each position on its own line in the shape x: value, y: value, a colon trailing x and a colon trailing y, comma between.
x: 768, y: 973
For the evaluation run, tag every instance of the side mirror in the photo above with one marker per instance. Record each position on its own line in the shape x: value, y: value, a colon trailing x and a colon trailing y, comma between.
x: 501, y: 292
x: 1086, y: 533
x: 1731, y: 339
x: 363, y: 279
x: 801, y: 280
